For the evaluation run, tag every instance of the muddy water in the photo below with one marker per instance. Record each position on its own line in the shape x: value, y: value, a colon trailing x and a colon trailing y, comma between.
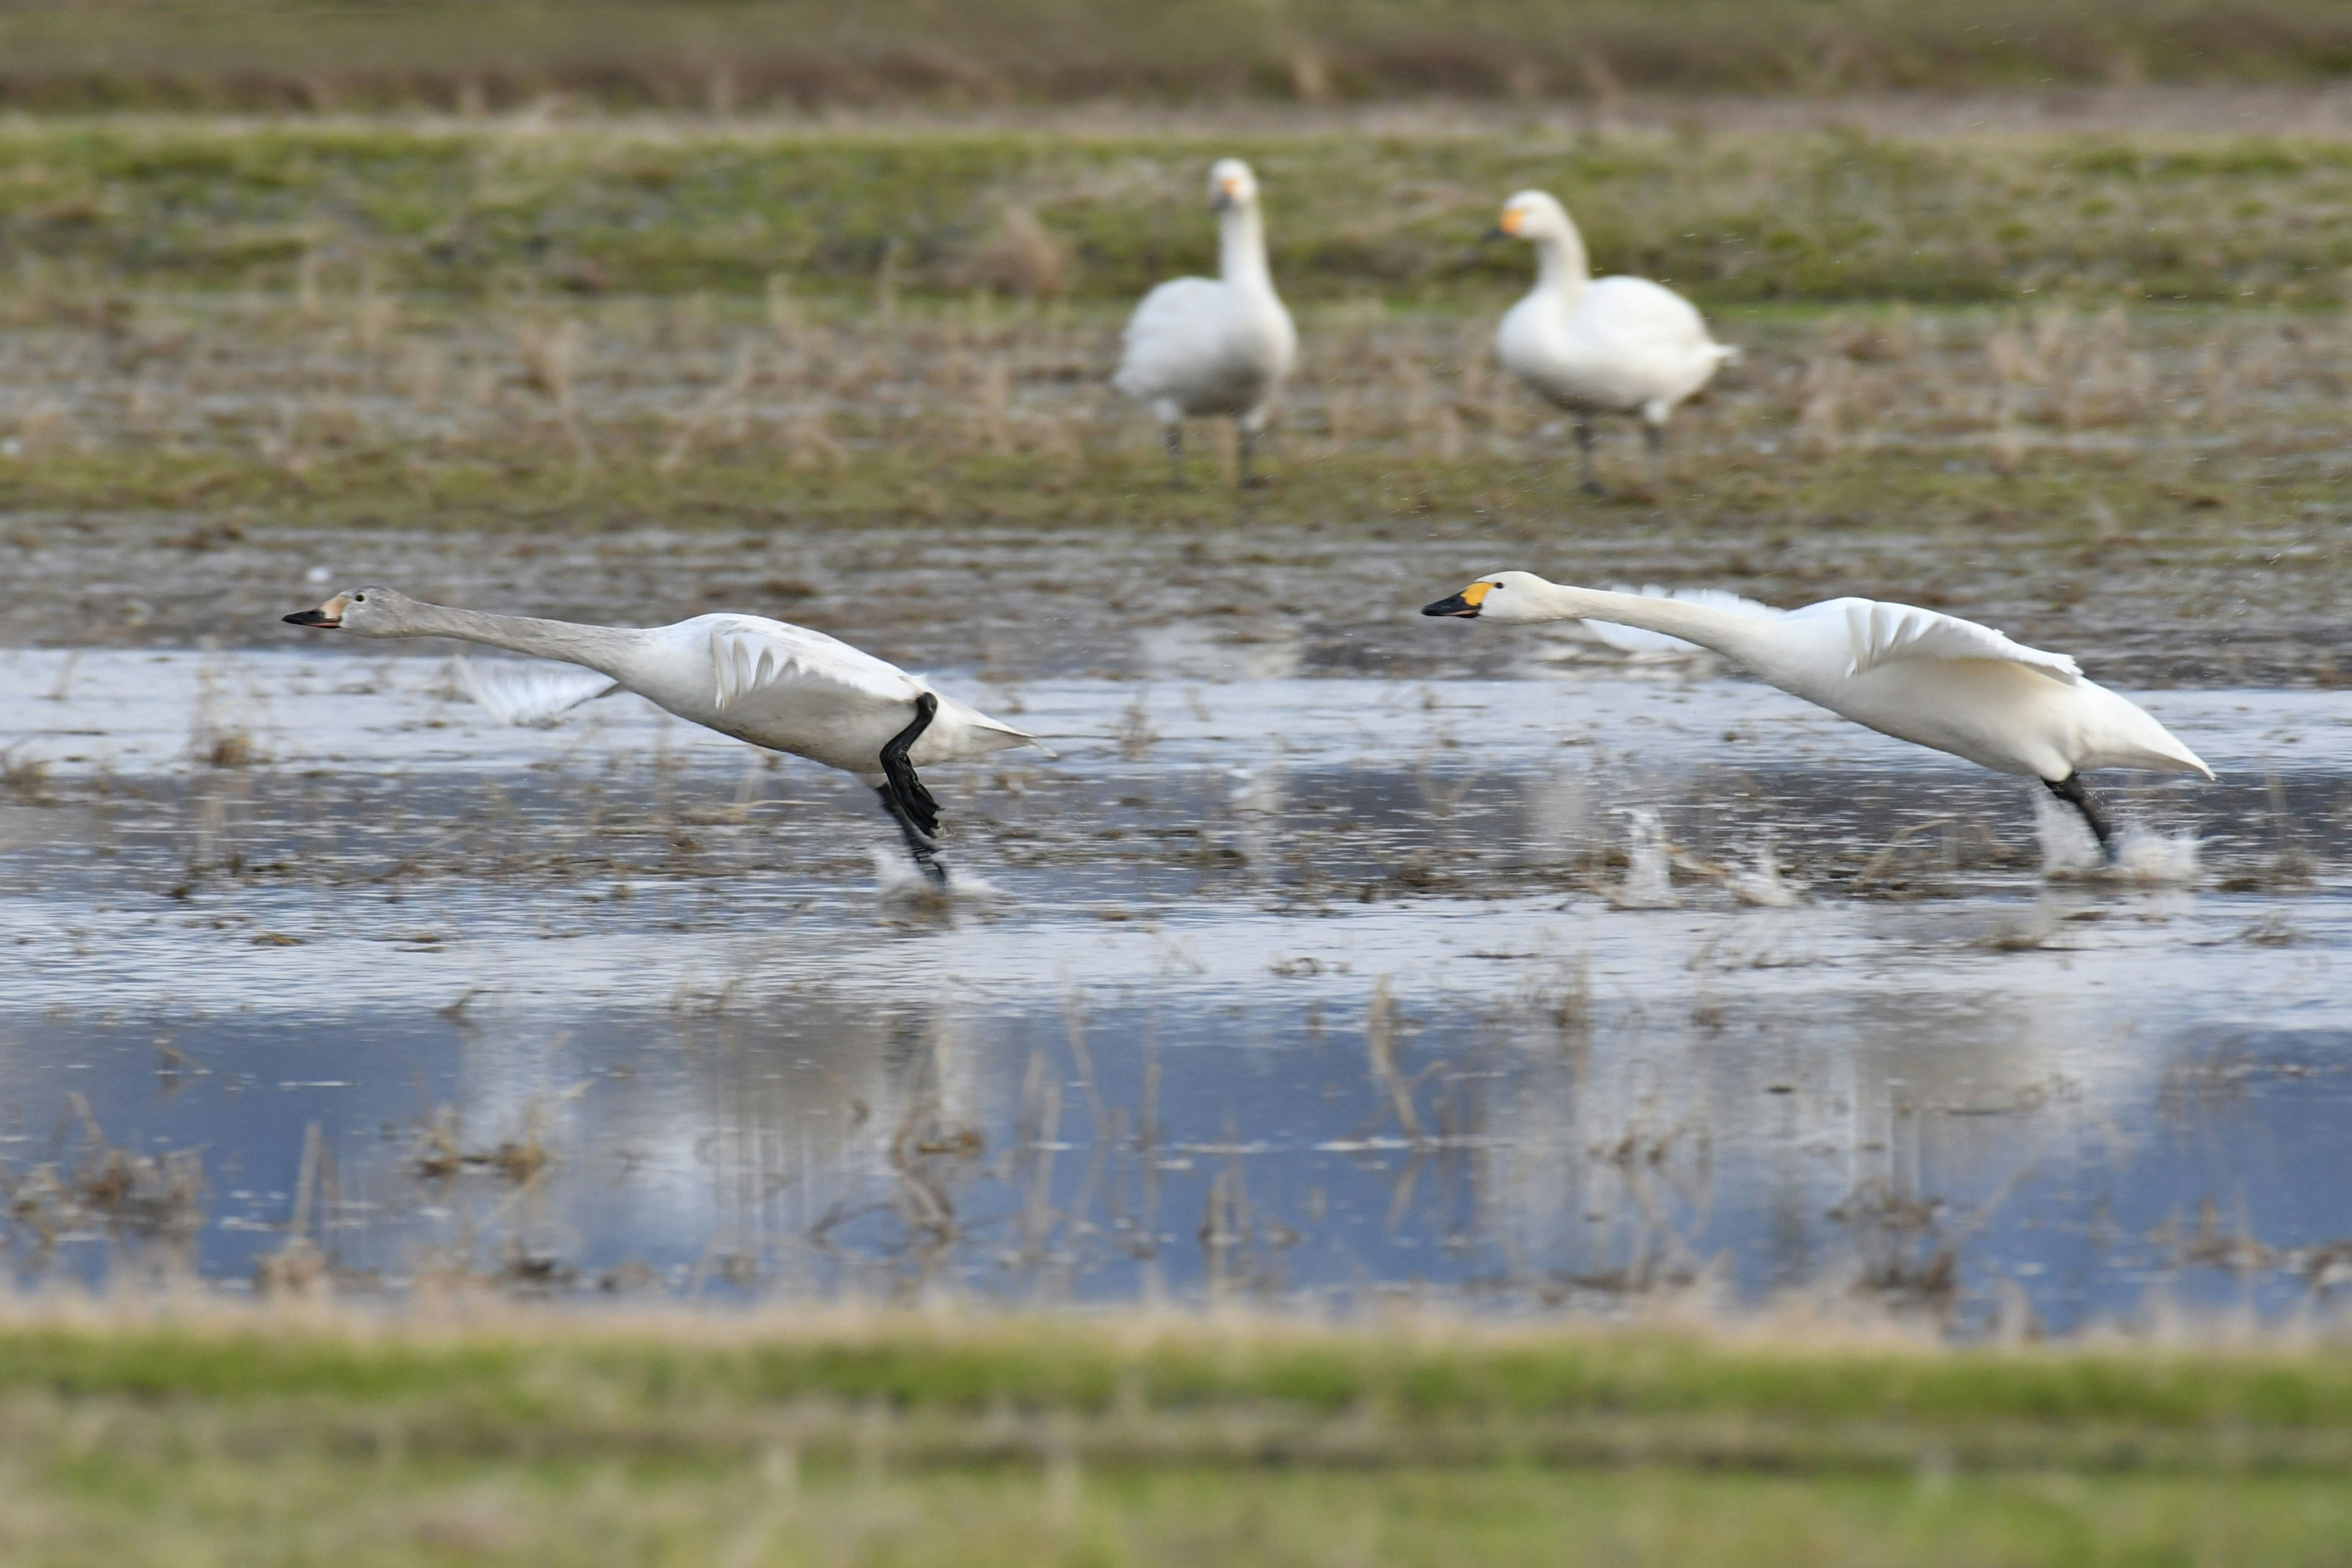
x: 1548, y: 978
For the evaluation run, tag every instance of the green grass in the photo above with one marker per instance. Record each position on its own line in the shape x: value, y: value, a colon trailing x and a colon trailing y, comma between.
x: 867, y: 1439
x: 728, y: 54
x: 94, y: 205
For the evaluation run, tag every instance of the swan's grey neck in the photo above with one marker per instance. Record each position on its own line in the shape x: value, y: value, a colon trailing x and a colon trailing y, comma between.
x: 1241, y: 248
x: 1735, y: 636
x: 599, y: 647
x: 1561, y: 265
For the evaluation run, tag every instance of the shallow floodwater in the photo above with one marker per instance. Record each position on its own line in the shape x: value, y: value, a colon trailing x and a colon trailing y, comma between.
x: 1569, y: 985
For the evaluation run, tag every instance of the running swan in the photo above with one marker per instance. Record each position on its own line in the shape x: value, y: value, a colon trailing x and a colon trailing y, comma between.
x: 779, y: 686
x: 1933, y: 679
x: 1199, y: 347
x: 1614, y: 345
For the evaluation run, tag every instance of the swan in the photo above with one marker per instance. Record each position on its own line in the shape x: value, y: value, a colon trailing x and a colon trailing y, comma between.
x: 1605, y: 345
x: 1933, y: 679
x: 1197, y: 346
x: 774, y: 685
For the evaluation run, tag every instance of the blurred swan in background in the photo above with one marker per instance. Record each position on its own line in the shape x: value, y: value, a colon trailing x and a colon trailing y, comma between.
x: 1199, y: 347
x: 1605, y: 345
x: 1933, y: 679
x: 770, y: 683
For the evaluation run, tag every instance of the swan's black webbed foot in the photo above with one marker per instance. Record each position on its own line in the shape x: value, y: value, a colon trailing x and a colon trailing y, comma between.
x: 2069, y: 790
x: 909, y: 799
x: 911, y: 805
x: 920, y: 847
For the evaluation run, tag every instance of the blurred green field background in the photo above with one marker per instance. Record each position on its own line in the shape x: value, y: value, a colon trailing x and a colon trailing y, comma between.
x: 1801, y: 217
x: 767, y: 54
x: 301, y: 1435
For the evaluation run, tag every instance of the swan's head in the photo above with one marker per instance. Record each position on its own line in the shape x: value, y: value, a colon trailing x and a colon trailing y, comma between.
x: 1230, y: 184
x: 1534, y: 216
x: 371, y: 611
x: 1497, y: 596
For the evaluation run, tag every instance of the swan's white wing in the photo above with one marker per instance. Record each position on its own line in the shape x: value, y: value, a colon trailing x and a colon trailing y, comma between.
x: 1176, y: 339
x: 1635, y: 639
x: 1881, y: 632
x: 749, y: 654
x: 533, y: 695
x: 1633, y: 314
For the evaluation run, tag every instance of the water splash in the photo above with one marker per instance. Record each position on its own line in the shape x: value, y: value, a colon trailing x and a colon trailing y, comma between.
x: 2068, y: 849
x: 2160, y: 859
x: 897, y: 881
x: 2143, y: 856
x: 1648, y: 883
x: 1762, y: 884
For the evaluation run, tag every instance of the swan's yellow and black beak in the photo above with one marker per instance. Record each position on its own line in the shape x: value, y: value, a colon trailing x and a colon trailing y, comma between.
x: 327, y: 616
x: 1463, y: 604
x: 1229, y: 195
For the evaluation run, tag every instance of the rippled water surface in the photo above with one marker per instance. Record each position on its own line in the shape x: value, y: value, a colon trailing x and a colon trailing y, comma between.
x: 1569, y: 983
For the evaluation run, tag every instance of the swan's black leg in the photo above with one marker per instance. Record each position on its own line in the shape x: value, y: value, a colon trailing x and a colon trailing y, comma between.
x: 1249, y: 455
x: 2069, y: 790
x: 909, y: 804
x: 1587, y: 481
x: 1175, y: 438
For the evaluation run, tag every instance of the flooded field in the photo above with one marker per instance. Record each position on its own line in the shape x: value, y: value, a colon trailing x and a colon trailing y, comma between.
x: 1339, y: 954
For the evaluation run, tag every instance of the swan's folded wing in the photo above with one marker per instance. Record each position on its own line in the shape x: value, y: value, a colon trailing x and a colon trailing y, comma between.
x: 1882, y: 633
x: 532, y: 695
x: 750, y: 655
x: 1637, y: 639
x: 1174, y: 339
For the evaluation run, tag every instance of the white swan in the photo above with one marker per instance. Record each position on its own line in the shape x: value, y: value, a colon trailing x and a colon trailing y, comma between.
x: 779, y: 686
x: 1197, y: 347
x: 1933, y: 679
x: 1613, y: 345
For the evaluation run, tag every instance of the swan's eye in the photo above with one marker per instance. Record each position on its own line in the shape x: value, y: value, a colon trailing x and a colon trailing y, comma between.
x: 359, y: 598
x: 1499, y: 587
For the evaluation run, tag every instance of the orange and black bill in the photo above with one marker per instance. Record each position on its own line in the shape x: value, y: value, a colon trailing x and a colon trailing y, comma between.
x: 328, y: 616
x: 1463, y: 604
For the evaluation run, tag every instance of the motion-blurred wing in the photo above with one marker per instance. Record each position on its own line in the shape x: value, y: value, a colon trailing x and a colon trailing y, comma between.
x: 1635, y: 639
x: 532, y: 695
x: 1881, y: 632
x: 750, y: 655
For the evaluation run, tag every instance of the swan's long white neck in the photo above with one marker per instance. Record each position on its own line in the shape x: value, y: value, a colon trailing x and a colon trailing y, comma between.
x: 601, y: 648
x: 1241, y: 248
x: 1562, y: 269
x: 1742, y: 638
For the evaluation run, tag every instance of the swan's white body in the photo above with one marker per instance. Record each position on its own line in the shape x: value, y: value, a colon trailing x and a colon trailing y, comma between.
x: 767, y: 682
x: 1200, y: 346
x: 1608, y: 345
x: 1919, y: 675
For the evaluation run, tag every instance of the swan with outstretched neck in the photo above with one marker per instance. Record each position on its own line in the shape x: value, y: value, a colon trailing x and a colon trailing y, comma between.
x: 1599, y: 345
x: 1918, y: 675
x: 767, y: 682
x: 1203, y: 346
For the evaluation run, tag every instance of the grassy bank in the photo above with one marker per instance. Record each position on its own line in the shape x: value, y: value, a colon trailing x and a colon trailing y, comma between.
x: 103, y: 206
x: 722, y: 55
x: 922, y: 1440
